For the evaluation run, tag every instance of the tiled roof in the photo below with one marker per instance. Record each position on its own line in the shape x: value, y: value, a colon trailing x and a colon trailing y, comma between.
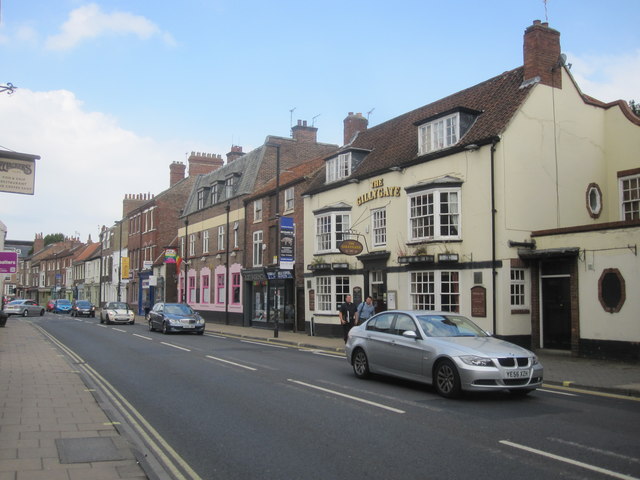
x: 395, y: 142
x: 289, y: 176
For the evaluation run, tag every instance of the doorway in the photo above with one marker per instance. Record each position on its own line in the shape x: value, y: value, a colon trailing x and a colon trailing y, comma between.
x: 556, y: 306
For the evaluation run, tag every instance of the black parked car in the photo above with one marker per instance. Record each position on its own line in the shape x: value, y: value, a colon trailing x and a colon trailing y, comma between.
x: 175, y: 317
x: 83, y: 308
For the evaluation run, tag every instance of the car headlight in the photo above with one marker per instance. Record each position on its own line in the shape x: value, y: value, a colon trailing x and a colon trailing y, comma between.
x: 477, y: 361
x: 534, y: 360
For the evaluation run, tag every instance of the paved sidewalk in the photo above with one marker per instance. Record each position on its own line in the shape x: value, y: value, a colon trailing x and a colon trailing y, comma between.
x: 560, y: 368
x: 51, y: 426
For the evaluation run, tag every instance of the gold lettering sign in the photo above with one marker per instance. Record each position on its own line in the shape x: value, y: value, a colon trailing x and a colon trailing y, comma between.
x: 378, y: 190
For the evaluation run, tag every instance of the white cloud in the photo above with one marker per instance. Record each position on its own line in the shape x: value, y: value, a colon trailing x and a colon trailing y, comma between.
x: 88, y: 163
x: 608, y: 77
x: 89, y: 21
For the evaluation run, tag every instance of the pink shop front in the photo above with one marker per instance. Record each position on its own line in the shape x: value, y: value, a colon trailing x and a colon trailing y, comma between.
x: 206, y: 291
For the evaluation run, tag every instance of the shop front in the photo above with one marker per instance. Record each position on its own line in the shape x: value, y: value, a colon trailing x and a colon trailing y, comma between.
x: 270, y: 298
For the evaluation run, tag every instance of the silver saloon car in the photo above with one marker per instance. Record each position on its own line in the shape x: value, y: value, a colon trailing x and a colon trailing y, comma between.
x: 443, y: 349
x: 23, y: 307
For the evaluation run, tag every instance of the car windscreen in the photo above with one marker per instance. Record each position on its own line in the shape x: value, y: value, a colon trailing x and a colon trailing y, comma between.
x: 449, y: 326
x: 63, y: 302
x: 178, y: 309
x: 83, y: 304
x: 118, y: 306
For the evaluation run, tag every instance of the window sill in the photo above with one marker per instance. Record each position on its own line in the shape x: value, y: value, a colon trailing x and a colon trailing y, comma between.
x: 520, y: 311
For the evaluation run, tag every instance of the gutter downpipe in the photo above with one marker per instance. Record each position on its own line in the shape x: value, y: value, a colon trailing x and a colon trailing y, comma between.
x: 493, y: 235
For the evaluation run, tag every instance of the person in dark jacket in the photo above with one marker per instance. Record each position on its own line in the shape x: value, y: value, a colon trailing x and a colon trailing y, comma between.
x: 347, y: 313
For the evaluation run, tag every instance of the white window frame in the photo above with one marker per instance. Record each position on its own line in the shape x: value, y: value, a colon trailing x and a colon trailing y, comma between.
x: 379, y: 227
x: 439, y: 134
x: 435, y: 290
x: 629, y: 197
x: 327, y: 236
x: 289, y: 201
x: 257, y: 210
x: 221, y: 243
x: 200, y: 198
x: 338, y: 167
x: 331, y: 292
x: 427, y: 219
x: 236, y: 227
x: 518, y: 289
x: 192, y: 244
x: 257, y: 248
x: 228, y: 187
x: 205, y: 241
x: 214, y: 194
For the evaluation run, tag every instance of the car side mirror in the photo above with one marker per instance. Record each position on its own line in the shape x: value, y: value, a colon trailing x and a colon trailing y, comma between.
x: 410, y: 334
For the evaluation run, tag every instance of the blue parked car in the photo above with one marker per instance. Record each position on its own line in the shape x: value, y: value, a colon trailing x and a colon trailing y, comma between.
x: 62, y: 305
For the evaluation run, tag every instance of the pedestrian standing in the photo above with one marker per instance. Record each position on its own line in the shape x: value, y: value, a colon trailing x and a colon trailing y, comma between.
x: 347, y: 314
x: 365, y: 310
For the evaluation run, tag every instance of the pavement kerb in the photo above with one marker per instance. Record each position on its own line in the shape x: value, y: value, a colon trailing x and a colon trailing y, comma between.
x: 276, y: 340
x: 570, y: 386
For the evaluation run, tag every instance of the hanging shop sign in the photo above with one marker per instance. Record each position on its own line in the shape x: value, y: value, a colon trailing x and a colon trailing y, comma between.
x: 17, y: 172
x: 350, y: 247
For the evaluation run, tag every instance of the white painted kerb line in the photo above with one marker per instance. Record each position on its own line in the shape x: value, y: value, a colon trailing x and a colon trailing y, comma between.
x: 350, y: 397
x: 593, y: 468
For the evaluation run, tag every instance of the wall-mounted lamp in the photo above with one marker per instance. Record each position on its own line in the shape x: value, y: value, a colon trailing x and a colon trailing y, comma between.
x: 395, y: 168
x: 472, y: 147
x: 354, y: 180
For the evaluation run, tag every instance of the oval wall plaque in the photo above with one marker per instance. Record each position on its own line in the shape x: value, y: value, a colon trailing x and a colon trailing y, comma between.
x: 350, y: 247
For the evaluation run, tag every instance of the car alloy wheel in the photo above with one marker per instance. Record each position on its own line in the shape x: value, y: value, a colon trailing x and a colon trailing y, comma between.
x: 25, y: 313
x: 447, y: 379
x: 360, y: 364
x: 151, y: 329
x: 165, y: 329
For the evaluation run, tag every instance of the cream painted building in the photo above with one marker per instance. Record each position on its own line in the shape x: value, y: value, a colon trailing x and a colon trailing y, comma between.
x: 514, y: 202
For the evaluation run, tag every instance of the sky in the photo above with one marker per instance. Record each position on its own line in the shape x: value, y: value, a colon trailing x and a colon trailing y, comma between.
x: 111, y: 92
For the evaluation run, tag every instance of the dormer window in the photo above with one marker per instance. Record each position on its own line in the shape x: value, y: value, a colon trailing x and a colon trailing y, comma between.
x: 214, y: 194
x: 338, y: 167
x: 438, y: 134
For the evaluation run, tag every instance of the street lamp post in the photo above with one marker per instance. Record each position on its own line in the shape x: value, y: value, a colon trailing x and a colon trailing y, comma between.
x: 119, y: 260
x: 227, y: 208
x: 278, y: 304
x: 186, y: 258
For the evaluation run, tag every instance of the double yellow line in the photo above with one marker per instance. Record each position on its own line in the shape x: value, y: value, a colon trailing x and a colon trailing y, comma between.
x: 167, y: 456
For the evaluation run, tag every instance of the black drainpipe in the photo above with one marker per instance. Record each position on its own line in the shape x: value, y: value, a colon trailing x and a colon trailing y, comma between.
x: 493, y: 236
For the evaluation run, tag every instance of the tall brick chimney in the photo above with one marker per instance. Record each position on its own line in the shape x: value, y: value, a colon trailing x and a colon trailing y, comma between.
x: 38, y: 243
x: 354, y: 124
x: 302, y: 133
x: 176, y: 172
x: 542, y: 54
x: 203, y: 163
x: 236, y: 152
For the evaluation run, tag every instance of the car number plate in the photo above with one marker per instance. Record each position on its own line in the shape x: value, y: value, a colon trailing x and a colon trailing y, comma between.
x: 518, y: 374
x: 188, y: 326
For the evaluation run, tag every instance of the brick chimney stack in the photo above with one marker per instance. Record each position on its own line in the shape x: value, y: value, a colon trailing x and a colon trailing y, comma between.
x: 542, y: 54
x: 203, y: 163
x: 303, y: 133
x: 176, y: 172
x: 236, y: 152
x: 38, y: 243
x: 353, y: 125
